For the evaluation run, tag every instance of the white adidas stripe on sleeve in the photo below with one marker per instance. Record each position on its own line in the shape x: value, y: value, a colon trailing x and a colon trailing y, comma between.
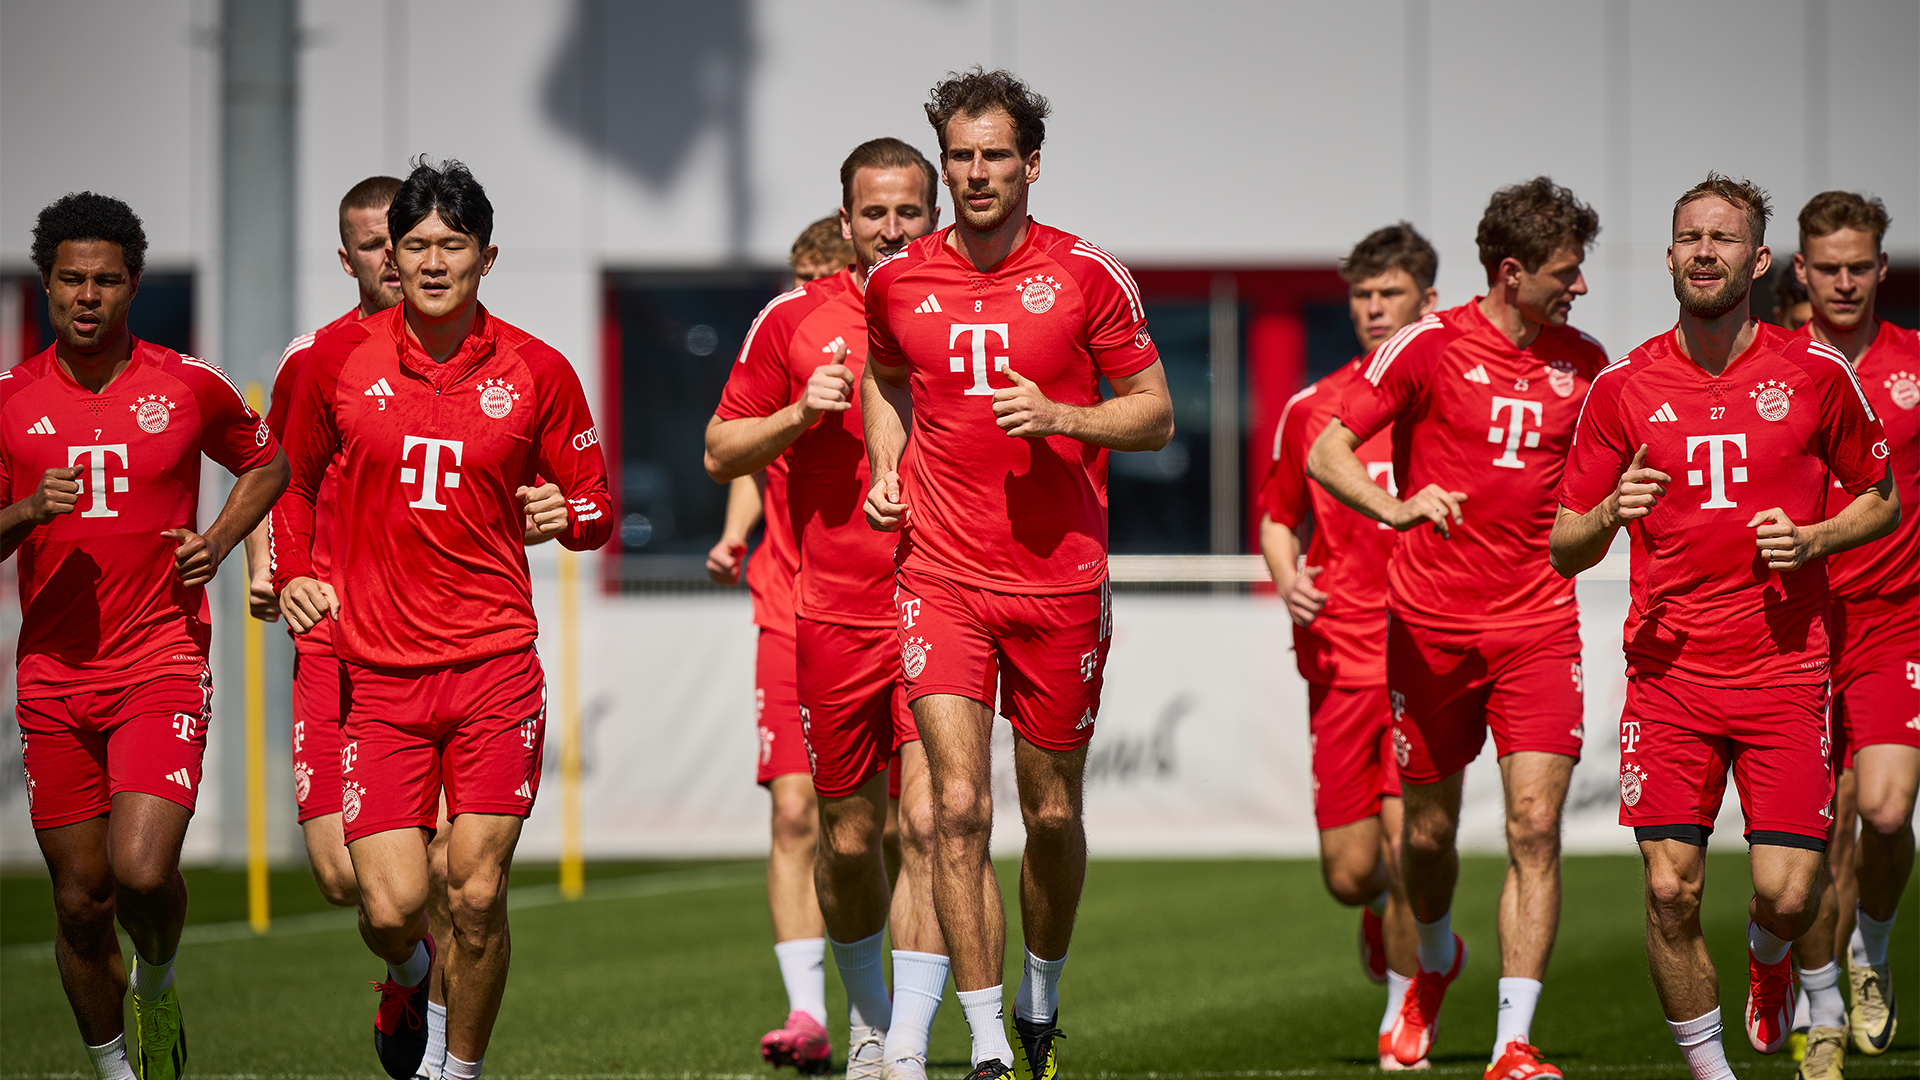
x: 1119, y: 273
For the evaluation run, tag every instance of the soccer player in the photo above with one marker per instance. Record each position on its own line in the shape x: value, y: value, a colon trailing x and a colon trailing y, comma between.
x: 100, y: 461
x: 1482, y: 635
x: 1876, y: 615
x: 1338, y: 603
x: 792, y: 396
x: 1714, y: 443
x: 1791, y: 308
x: 444, y: 416
x: 986, y: 441
x: 799, y: 941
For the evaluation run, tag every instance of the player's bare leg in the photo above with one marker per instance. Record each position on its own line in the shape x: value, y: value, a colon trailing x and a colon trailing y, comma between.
x: 851, y: 881
x: 1360, y: 864
x: 799, y: 933
x: 1818, y: 1003
x: 395, y: 879
x: 440, y: 925
x: 1683, y: 973
x: 957, y: 734
x: 1535, y: 784
x: 327, y: 858
x: 1053, y: 867
x: 919, y: 951
x: 1887, y: 777
x: 890, y: 842
x: 1842, y: 850
x: 1429, y: 858
x: 1402, y: 941
x: 479, y: 856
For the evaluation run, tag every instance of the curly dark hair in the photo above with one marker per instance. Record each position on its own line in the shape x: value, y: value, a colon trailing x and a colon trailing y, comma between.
x: 1391, y: 247
x: 448, y: 189
x: 1528, y: 222
x: 976, y: 91
x: 84, y: 215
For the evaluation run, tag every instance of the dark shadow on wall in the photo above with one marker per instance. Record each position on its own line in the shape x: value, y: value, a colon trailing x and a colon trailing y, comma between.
x: 641, y: 82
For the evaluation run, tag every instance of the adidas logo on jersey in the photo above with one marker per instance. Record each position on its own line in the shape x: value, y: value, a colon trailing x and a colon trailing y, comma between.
x: 380, y: 389
x: 180, y: 776
x: 836, y: 343
x: 1664, y: 414
x: 928, y: 306
x: 1478, y: 373
x: 42, y: 426
x: 525, y: 790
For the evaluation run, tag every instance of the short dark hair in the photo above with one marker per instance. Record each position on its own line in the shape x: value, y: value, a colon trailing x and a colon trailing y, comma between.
x: 86, y: 216
x: 1529, y: 221
x: 1394, y: 247
x: 886, y: 152
x: 1787, y: 290
x: 1745, y: 194
x: 821, y: 242
x: 1831, y: 211
x: 977, y: 91
x: 373, y: 193
x: 449, y: 190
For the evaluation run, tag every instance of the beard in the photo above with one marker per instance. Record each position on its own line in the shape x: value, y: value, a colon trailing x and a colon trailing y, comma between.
x: 989, y: 220
x: 1733, y: 289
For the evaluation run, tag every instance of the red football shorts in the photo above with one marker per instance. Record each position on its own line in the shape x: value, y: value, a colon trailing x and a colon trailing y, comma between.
x: 852, y: 705
x: 81, y: 750
x: 476, y: 727
x: 1447, y: 687
x: 1677, y: 739
x: 776, y: 708
x: 1051, y: 650
x: 1353, y: 765
x: 1876, y: 673
x: 319, y: 697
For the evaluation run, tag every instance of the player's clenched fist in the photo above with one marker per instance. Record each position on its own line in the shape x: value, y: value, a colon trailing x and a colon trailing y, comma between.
x: 723, y: 561
x: 885, y: 508
x: 545, y: 511
x: 1304, y: 602
x: 1779, y: 539
x: 305, y: 602
x: 829, y: 388
x: 59, y: 493
x: 1024, y: 411
x: 1639, y: 489
x: 195, y: 559
x: 1432, y: 503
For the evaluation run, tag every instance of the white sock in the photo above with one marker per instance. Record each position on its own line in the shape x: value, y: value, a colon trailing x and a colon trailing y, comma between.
x: 1396, y: 993
x: 462, y: 1070
x: 1436, y: 944
x: 436, y: 1059
x: 1378, y: 905
x: 919, y: 982
x: 150, y: 980
x: 985, y: 1021
x: 1800, y: 1010
x: 866, y: 982
x: 803, y: 967
x: 110, y: 1060
x: 416, y: 967
x: 1518, y: 998
x: 1825, y: 1008
x: 1038, y: 998
x: 1699, y: 1040
x: 1763, y: 945
x: 1870, y: 937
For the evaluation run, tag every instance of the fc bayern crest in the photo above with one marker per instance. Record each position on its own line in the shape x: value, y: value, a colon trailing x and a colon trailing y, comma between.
x: 1560, y: 378
x: 497, y: 397
x: 1905, y: 387
x: 302, y: 782
x: 152, y: 412
x: 1773, y: 398
x: 1630, y: 780
x: 1037, y: 294
x: 913, y: 657
x: 350, y: 793
x: 1402, y: 748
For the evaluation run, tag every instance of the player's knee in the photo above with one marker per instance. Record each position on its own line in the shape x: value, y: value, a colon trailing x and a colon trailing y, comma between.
x: 476, y: 906
x: 83, y: 906
x: 1888, y: 818
x: 1534, y: 838
x: 962, y: 810
x: 1351, y: 885
x: 340, y: 890
x: 1050, y: 820
x: 1428, y: 835
x: 796, y: 824
x: 1672, y: 897
x: 916, y: 830
x: 142, y: 878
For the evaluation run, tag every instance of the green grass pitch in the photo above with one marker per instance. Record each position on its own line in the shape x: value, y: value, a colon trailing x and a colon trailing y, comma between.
x: 1180, y: 971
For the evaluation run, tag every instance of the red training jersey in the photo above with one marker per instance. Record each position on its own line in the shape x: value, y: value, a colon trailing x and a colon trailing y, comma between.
x: 326, y: 500
x: 1000, y: 512
x: 776, y: 561
x: 433, y: 570
x: 1887, y: 568
x: 1763, y: 433
x: 846, y: 568
x: 1346, y: 644
x: 101, y: 605
x: 1472, y: 412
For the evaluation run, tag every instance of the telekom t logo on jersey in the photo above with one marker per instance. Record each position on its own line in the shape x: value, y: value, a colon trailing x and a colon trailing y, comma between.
x: 96, y: 485
x: 1516, y: 435
x: 430, y: 476
x: 1717, y: 467
x: 979, y: 332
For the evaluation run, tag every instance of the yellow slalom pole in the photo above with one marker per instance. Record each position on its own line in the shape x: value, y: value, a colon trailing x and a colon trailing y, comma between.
x: 253, y: 633
x: 573, y: 873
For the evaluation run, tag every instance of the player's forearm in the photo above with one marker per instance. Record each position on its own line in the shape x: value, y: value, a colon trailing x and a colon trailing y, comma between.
x: 259, y: 544
x: 1135, y: 422
x: 737, y: 448
x: 886, y: 412
x: 1872, y: 514
x: 1281, y: 549
x: 16, y: 523
x: 1578, y: 541
x: 744, y: 507
x: 253, y: 495
x: 1334, y: 466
